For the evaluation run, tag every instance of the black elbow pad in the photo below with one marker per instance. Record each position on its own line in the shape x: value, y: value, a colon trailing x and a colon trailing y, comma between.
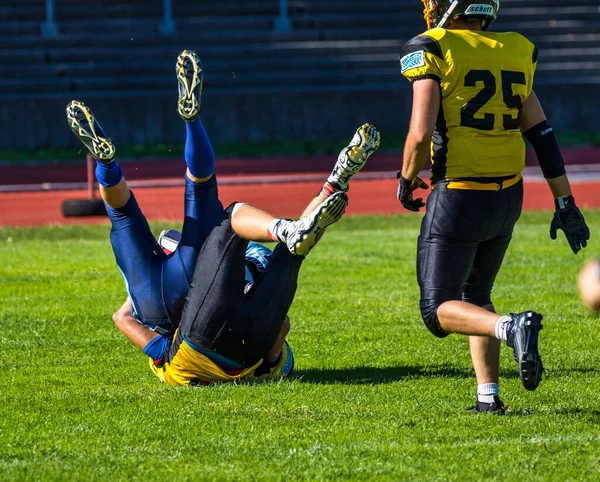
x: 544, y: 142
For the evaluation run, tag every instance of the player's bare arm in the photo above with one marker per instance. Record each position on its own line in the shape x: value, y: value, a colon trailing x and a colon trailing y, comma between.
x: 274, y: 353
x: 540, y: 134
x: 426, y: 105
x: 139, y: 334
x: 417, y: 150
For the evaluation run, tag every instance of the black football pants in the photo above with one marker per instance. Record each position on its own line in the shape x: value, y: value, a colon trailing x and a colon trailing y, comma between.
x: 464, y: 236
x: 219, y: 316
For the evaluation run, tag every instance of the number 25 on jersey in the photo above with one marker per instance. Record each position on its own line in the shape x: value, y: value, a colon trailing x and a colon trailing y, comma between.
x: 490, y: 89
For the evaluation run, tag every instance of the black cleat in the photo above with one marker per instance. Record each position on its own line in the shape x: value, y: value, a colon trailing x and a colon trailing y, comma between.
x: 190, y: 79
x: 85, y: 126
x: 523, y: 339
x: 497, y: 407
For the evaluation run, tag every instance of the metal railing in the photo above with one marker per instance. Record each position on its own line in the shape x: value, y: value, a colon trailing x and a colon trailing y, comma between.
x: 282, y: 22
x: 49, y: 28
x: 166, y: 26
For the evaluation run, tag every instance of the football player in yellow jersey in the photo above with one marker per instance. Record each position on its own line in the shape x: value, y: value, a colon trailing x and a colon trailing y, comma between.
x: 472, y: 102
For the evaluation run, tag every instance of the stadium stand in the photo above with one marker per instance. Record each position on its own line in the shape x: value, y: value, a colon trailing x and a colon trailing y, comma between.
x: 339, y: 52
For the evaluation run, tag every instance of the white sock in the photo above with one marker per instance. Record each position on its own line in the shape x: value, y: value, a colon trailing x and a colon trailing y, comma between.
x: 502, y: 327
x: 487, y: 391
x: 278, y: 229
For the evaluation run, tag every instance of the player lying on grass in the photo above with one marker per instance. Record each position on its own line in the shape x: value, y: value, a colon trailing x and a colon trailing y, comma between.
x: 233, y: 323
x: 472, y: 102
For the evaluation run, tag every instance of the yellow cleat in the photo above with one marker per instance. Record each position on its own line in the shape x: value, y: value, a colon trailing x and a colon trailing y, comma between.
x: 190, y: 79
x: 84, y: 125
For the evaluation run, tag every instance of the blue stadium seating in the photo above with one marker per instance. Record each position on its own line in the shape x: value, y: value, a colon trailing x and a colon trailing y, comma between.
x: 108, y: 48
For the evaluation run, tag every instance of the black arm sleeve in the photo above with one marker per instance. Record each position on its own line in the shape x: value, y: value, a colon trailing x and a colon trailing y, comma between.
x: 544, y: 142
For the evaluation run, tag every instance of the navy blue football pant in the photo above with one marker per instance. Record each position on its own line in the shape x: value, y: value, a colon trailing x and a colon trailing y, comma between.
x: 157, y: 283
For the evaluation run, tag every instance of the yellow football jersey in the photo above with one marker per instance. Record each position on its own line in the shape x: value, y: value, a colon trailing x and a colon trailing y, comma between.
x: 190, y: 367
x: 484, y: 79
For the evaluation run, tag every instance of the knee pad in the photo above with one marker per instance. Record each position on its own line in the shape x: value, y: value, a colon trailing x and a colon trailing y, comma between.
x: 429, y: 313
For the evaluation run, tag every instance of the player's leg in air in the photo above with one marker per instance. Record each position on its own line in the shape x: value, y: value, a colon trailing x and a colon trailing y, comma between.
x: 202, y: 208
x: 231, y: 329
x: 350, y: 161
x: 137, y: 252
x: 157, y: 284
x: 234, y: 327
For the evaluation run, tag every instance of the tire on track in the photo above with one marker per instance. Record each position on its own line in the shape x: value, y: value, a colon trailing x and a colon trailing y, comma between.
x: 83, y: 207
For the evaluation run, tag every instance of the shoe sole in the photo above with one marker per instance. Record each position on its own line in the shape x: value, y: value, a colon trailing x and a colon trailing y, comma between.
x: 329, y: 213
x: 354, y: 156
x: 100, y: 147
x: 530, y: 364
x: 363, y: 149
x: 188, y: 104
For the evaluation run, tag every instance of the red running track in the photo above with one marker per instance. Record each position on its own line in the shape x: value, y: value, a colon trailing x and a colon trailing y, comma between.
x: 367, y: 196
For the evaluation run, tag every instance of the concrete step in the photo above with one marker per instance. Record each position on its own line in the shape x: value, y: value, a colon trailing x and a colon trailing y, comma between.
x: 264, y: 61
x: 123, y: 20
x: 567, y: 40
x: 379, y: 70
x: 213, y: 66
x: 78, y: 88
x: 560, y: 46
x: 144, y: 51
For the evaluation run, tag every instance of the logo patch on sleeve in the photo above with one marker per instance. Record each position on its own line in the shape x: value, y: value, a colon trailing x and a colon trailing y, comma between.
x: 412, y: 61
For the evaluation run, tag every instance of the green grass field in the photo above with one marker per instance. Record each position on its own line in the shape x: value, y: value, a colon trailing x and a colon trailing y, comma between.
x: 375, y: 396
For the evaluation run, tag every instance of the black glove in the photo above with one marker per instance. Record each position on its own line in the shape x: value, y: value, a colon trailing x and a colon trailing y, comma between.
x: 568, y: 217
x: 405, y: 192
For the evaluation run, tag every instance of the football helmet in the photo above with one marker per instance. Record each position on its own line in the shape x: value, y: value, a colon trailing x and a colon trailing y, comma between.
x: 440, y: 13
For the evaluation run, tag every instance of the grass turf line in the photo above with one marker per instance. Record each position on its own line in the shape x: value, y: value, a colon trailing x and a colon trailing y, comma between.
x: 393, y: 141
x: 375, y: 396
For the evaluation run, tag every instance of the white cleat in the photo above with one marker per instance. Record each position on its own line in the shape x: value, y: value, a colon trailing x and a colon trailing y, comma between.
x: 353, y: 157
x: 306, y: 232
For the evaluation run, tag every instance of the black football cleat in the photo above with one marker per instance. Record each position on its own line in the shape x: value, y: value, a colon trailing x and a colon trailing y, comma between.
x: 497, y: 407
x: 523, y: 339
x: 85, y: 126
x: 190, y: 79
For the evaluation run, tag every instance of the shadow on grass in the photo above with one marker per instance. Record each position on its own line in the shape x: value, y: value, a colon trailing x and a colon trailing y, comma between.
x: 374, y: 375
x: 582, y: 414
x: 587, y: 413
x: 567, y: 371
